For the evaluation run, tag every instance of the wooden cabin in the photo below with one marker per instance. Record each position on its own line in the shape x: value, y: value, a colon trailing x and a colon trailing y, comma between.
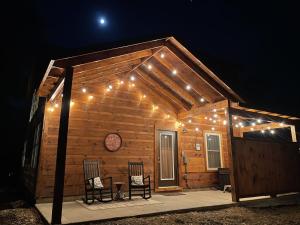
x: 170, y: 111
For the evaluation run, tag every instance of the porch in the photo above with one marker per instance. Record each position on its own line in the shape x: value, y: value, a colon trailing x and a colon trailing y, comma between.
x: 76, y: 212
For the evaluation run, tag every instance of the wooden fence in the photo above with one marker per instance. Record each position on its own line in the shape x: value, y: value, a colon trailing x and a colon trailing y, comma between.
x: 265, y: 167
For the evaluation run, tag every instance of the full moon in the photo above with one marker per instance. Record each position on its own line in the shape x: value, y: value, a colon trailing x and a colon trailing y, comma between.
x: 102, y: 21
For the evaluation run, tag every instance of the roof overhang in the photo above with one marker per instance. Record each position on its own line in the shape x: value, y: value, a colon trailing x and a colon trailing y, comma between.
x: 87, y: 63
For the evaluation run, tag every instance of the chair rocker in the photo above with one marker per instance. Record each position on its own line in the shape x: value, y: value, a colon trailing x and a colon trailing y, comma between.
x: 104, y: 193
x: 143, y: 189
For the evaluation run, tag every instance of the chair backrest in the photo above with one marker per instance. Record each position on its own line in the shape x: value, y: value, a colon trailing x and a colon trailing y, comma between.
x: 135, y: 168
x: 91, y: 168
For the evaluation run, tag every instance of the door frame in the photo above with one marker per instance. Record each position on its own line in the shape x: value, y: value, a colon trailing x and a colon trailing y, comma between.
x: 176, y: 157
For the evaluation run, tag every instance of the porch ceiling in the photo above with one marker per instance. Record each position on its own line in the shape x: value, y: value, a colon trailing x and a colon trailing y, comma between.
x: 163, y: 64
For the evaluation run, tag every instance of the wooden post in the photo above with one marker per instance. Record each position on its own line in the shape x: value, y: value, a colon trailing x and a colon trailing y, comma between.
x: 293, y: 133
x: 61, y: 148
x: 232, y: 163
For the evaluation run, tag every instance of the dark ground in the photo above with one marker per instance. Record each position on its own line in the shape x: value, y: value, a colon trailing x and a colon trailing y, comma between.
x: 19, y: 213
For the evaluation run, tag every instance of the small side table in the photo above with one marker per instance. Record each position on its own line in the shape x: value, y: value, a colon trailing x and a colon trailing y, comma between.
x: 119, y: 195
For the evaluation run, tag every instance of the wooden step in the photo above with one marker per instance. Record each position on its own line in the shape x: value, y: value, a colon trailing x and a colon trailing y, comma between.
x: 168, y: 189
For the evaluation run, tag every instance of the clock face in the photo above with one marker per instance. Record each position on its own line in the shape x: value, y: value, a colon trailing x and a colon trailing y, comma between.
x: 113, y: 142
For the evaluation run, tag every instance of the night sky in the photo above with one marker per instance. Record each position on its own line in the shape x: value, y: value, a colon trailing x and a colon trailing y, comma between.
x: 252, y: 45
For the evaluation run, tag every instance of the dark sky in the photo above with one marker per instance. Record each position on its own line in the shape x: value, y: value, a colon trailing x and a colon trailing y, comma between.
x: 252, y: 45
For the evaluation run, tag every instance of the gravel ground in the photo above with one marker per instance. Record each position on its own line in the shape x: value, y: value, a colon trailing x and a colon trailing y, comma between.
x: 236, y: 215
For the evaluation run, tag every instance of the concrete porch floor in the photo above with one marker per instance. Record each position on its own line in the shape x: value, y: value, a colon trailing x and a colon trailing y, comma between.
x: 74, y: 212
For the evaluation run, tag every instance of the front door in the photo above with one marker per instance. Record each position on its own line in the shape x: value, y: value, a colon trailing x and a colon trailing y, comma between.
x: 167, y: 158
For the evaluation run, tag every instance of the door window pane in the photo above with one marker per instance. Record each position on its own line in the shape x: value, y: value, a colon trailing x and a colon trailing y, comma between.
x: 166, y: 157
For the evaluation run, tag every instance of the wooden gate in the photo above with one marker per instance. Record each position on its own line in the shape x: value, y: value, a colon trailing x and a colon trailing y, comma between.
x: 264, y: 167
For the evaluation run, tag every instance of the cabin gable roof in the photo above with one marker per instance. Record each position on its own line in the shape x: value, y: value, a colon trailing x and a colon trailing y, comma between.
x: 190, y: 71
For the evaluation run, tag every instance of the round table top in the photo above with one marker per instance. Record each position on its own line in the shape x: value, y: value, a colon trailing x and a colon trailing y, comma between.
x: 119, y: 182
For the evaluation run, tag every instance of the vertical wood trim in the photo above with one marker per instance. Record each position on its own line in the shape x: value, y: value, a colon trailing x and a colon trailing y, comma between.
x: 61, y: 148
x: 293, y: 133
x: 232, y: 163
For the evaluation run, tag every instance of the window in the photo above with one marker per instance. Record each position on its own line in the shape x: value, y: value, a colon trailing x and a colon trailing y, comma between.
x: 36, y: 146
x: 213, y: 151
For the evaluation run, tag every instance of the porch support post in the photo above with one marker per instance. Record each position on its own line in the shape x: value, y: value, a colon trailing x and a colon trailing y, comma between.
x: 61, y: 148
x: 232, y: 163
x: 293, y: 133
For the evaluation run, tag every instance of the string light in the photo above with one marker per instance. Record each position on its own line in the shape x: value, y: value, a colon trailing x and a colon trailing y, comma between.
x: 132, y: 78
x: 174, y: 72
x: 168, y: 116
x: 252, y: 129
x: 205, y: 117
x: 149, y: 67
x: 189, y: 121
x: 162, y: 55
x: 90, y: 97
x: 212, y: 128
x: 202, y: 100
x: 121, y: 82
x: 215, y: 115
x: 268, y: 128
x: 72, y: 103
x: 281, y: 124
x: 214, y: 110
x: 241, y: 124
x: 235, y: 117
x: 110, y: 87
x: 51, y: 109
x: 262, y: 131
x: 272, y: 131
x: 214, y: 121
x: 188, y: 87
x: 258, y: 120
x: 224, y: 122
x: 253, y: 124
x: 107, y: 89
x: 132, y: 85
x: 83, y: 90
x: 210, y: 119
x: 144, y: 96
x: 56, y: 105
x: 196, y: 129
x: 236, y: 125
x: 154, y: 107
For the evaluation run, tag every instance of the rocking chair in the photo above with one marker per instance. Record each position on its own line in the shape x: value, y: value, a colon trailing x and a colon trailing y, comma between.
x: 142, y: 187
x: 94, y: 184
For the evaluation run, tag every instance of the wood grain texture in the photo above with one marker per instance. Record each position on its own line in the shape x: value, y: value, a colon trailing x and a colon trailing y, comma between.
x: 125, y: 112
x: 266, y: 168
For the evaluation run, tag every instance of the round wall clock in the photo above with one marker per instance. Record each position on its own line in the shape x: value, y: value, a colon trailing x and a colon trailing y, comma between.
x: 113, y: 142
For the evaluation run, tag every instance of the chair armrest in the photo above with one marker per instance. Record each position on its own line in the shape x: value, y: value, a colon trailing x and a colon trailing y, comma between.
x: 147, y: 177
x: 106, y: 178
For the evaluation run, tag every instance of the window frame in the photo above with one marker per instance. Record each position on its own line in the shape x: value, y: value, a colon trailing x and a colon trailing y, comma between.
x: 206, y: 134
